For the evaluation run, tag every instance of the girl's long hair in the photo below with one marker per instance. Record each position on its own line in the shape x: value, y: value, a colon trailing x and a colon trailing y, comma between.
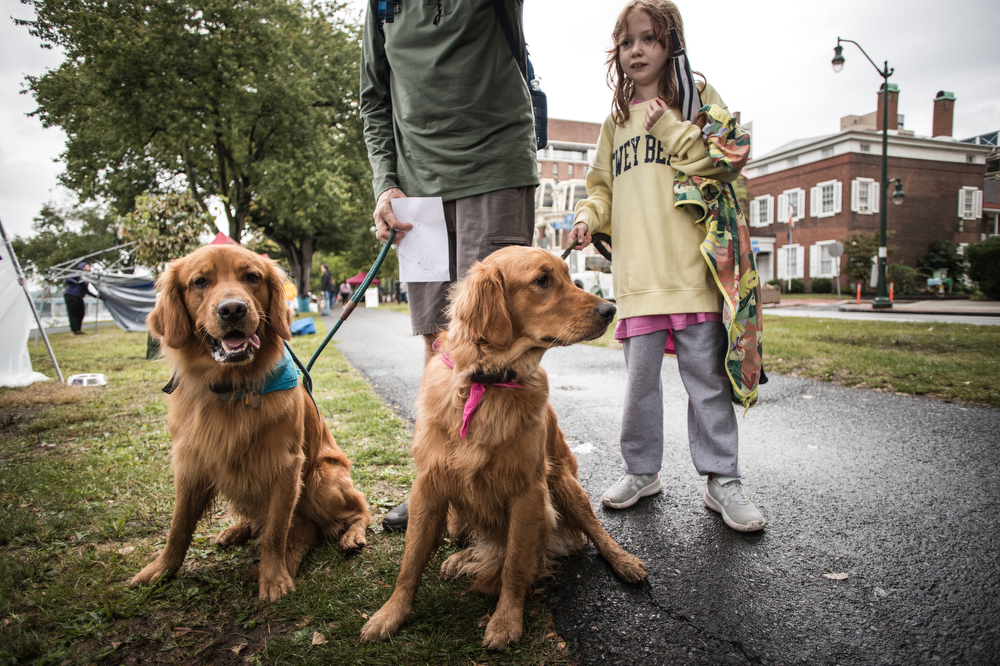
x: 664, y: 15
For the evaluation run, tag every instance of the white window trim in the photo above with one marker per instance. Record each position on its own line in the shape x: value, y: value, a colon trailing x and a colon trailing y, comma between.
x: 816, y: 199
x: 762, y: 204
x: 781, y: 261
x: 873, y: 196
x: 782, y: 211
x: 963, y: 202
x: 816, y: 261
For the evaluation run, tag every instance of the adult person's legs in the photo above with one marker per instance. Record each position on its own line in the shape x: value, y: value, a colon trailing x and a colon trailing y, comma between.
x: 477, y: 226
x: 75, y: 310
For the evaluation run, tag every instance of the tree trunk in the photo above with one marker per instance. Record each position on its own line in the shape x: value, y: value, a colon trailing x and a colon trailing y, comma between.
x: 300, y: 257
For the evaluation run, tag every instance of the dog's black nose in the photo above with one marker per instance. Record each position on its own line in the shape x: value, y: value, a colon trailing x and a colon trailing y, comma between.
x: 231, y: 309
x: 606, y: 310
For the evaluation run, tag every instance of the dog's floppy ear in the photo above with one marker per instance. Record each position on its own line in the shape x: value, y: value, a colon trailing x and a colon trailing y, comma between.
x: 480, y: 305
x: 277, y: 310
x: 169, y: 319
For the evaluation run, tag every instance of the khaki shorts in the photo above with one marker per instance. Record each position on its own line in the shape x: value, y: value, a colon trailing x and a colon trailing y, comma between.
x: 477, y: 226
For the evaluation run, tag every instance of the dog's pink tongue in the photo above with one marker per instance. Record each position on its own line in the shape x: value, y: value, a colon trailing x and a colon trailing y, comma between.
x: 235, y: 342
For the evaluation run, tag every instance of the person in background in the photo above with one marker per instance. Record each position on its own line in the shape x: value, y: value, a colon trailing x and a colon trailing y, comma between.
x: 345, y: 293
x: 447, y: 113
x: 77, y: 287
x: 326, y: 288
x: 291, y: 294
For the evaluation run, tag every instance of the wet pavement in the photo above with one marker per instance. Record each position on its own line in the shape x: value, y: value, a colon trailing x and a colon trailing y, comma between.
x: 897, y: 492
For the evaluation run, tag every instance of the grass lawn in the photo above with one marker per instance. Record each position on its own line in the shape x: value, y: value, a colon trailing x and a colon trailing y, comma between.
x: 86, y: 497
x: 956, y: 362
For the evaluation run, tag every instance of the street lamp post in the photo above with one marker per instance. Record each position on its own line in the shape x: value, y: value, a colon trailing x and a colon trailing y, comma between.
x: 882, y: 297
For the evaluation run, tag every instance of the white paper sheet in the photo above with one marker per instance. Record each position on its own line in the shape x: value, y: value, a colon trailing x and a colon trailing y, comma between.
x: 423, y: 252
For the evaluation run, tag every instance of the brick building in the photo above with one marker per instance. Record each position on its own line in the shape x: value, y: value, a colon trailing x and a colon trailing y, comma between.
x: 826, y: 188
x: 991, y: 183
x: 562, y: 171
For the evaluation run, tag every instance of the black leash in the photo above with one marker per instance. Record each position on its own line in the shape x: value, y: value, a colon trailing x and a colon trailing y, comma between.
x: 601, y: 241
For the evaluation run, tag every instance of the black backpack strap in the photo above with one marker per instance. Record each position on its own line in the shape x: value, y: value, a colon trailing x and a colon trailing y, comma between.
x: 509, y: 34
x: 384, y: 14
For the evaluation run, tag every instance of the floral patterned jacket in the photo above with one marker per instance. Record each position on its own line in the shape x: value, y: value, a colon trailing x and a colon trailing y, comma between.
x: 726, y: 248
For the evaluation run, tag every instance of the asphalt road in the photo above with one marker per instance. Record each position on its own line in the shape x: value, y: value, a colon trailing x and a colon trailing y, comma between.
x: 899, y: 493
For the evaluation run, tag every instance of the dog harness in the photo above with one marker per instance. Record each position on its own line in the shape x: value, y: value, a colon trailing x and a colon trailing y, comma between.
x: 476, y: 392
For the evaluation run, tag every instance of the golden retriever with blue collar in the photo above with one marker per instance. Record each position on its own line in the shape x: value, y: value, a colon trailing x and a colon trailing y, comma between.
x: 242, y: 425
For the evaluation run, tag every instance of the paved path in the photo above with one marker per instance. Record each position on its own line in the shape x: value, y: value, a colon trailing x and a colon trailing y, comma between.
x: 899, y: 493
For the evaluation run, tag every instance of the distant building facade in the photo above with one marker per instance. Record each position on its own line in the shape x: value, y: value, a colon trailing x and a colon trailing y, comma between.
x: 811, y: 193
x: 562, y: 172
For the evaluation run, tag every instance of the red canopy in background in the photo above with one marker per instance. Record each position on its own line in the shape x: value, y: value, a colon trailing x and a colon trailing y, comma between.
x: 359, y: 278
x: 222, y: 239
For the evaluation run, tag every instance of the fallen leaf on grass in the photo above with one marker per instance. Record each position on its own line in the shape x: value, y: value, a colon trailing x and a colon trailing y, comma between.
x: 184, y: 631
x: 561, y: 646
x: 551, y: 634
x: 318, y: 638
x: 236, y: 649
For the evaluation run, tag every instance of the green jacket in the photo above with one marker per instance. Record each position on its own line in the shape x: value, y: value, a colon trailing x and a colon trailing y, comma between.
x: 446, y: 109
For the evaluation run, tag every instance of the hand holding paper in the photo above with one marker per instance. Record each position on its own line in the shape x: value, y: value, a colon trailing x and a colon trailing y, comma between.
x: 423, y: 253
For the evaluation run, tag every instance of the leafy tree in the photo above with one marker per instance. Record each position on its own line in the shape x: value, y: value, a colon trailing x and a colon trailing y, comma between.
x: 903, y: 277
x: 984, y: 266
x: 944, y: 254
x: 859, y: 249
x: 164, y: 227
x: 253, y: 103
x: 64, y: 234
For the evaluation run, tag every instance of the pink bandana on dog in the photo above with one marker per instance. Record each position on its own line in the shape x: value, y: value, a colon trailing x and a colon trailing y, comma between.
x: 476, y: 393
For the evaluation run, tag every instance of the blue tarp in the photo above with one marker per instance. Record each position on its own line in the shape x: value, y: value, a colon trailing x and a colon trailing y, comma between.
x: 305, y: 326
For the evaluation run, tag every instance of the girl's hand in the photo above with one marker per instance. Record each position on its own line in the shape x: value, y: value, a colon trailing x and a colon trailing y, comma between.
x: 579, y: 235
x: 654, y: 112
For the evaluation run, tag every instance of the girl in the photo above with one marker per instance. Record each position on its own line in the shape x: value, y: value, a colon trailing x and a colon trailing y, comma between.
x: 667, y: 297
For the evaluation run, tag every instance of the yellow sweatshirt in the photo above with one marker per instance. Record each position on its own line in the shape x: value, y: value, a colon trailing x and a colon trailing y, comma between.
x: 658, y: 267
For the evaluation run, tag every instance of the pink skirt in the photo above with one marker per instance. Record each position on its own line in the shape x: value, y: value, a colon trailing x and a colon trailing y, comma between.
x: 633, y: 326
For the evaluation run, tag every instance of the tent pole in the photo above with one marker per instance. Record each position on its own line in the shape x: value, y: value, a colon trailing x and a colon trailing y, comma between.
x: 27, y: 294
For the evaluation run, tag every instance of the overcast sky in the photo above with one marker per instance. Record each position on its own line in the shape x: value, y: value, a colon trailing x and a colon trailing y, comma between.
x: 769, y: 59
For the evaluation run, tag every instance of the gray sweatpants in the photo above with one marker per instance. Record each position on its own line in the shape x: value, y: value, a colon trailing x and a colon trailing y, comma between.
x: 713, y: 430
x: 477, y: 226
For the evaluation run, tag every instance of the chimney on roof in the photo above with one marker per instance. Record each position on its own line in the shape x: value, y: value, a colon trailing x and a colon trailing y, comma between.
x: 893, y: 108
x: 944, y: 113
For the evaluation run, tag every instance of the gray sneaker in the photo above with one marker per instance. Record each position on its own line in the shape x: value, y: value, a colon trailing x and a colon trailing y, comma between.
x: 725, y: 495
x: 629, y: 489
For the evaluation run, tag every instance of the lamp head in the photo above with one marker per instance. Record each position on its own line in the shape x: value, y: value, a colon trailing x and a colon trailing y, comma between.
x: 838, y: 58
x: 898, y: 194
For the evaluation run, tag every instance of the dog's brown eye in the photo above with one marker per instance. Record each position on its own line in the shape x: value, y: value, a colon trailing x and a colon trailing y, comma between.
x: 200, y: 283
x: 252, y: 278
x: 544, y: 281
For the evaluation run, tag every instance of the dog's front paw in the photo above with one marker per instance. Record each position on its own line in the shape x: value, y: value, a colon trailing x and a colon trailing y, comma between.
x: 503, y: 630
x: 153, y: 572
x: 354, y: 538
x: 274, y: 588
x: 234, y: 535
x: 452, y: 567
x: 628, y: 567
x: 382, y: 624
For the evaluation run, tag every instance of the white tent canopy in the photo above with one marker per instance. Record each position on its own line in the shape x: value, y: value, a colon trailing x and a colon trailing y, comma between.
x: 15, y: 322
